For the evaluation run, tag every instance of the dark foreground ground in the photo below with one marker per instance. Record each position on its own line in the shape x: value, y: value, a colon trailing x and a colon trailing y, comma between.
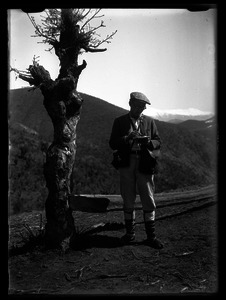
x: 188, y: 263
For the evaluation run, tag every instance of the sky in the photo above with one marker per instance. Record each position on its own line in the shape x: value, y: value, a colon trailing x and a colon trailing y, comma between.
x: 167, y: 54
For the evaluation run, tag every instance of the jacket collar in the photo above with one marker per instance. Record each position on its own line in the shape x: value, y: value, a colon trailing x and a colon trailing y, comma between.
x: 141, y: 118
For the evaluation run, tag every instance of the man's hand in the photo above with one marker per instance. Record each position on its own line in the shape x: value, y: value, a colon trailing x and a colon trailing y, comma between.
x: 132, y: 135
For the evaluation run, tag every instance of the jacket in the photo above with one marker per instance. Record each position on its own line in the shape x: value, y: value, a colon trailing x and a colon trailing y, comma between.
x: 149, y: 153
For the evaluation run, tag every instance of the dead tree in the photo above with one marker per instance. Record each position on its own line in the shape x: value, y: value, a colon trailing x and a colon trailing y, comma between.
x: 69, y: 33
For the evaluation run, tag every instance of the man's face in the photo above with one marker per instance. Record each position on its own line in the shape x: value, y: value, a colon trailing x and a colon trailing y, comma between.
x: 136, y: 108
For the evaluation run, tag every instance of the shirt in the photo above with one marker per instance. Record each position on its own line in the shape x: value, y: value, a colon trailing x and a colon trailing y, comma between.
x: 136, y: 123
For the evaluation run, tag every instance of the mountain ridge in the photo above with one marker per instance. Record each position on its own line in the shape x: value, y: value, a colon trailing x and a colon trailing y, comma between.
x: 188, y: 157
x: 177, y: 115
x: 167, y: 115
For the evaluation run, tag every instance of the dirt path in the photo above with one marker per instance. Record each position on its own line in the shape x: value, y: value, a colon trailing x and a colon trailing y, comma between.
x: 100, y: 265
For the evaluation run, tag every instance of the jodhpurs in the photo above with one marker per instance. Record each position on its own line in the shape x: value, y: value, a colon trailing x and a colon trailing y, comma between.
x: 131, y: 181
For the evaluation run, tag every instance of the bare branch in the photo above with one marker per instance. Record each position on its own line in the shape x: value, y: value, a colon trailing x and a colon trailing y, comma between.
x: 85, y: 38
x: 88, y: 49
x: 87, y: 13
x: 95, y: 28
x: 92, y: 17
x: 22, y: 75
x: 40, y: 33
x: 36, y: 74
x: 104, y: 40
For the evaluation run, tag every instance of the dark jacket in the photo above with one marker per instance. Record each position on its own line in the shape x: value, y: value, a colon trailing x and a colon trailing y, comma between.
x: 122, y: 127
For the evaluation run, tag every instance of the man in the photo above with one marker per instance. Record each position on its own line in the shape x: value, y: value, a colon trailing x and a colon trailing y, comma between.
x: 135, y: 137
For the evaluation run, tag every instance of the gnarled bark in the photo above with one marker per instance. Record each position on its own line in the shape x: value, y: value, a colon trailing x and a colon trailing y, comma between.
x: 63, y: 104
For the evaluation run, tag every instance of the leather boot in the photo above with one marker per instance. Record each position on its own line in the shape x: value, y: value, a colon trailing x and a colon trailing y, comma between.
x: 129, y: 237
x: 152, y: 241
x: 149, y: 222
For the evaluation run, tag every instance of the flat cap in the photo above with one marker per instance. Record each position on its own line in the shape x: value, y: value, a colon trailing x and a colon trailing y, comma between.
x: 139, y: 96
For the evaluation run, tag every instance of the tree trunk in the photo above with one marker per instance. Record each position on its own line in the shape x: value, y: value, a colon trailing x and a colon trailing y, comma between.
x: 63, y: 104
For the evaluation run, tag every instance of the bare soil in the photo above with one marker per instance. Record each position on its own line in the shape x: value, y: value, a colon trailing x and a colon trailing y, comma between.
x: 99, y: 264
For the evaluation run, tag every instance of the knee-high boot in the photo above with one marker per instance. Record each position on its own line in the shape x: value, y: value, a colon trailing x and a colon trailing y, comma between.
x: 149, y: 222
x: 129, y: 218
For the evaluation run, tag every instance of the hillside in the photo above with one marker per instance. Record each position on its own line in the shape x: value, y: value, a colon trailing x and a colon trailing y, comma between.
x: 180, y: 115
x: 207, y: 128
x: 188, y: 158
x: 26, y: 108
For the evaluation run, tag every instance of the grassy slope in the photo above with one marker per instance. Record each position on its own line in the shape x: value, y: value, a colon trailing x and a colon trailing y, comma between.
x: 188, y: 158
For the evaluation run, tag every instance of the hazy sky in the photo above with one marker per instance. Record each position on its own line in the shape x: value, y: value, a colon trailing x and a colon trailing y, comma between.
x: 169, y: 55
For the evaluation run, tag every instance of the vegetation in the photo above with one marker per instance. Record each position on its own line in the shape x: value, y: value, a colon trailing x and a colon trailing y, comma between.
x: 188, y: 157
x: 27, y: 189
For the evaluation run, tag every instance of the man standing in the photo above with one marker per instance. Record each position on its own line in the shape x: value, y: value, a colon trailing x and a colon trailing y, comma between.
x: 135, y: 138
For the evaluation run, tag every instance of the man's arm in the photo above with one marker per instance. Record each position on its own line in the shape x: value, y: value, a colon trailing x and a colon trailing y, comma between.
x: 116, y: 141
x: 155, y: 141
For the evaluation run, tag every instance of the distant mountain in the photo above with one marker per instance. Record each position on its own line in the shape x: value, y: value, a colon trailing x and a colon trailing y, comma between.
x: 199, y: 125
x: 188, y: 156
x: 174, y: 121
x: 179, y: 115
x: 207, y: 128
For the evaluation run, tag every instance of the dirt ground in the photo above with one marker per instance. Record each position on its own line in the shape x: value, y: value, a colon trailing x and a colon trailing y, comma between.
x: 188, y: 263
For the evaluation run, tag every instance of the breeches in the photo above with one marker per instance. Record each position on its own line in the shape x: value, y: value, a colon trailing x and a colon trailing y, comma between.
x: 131, y: 181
